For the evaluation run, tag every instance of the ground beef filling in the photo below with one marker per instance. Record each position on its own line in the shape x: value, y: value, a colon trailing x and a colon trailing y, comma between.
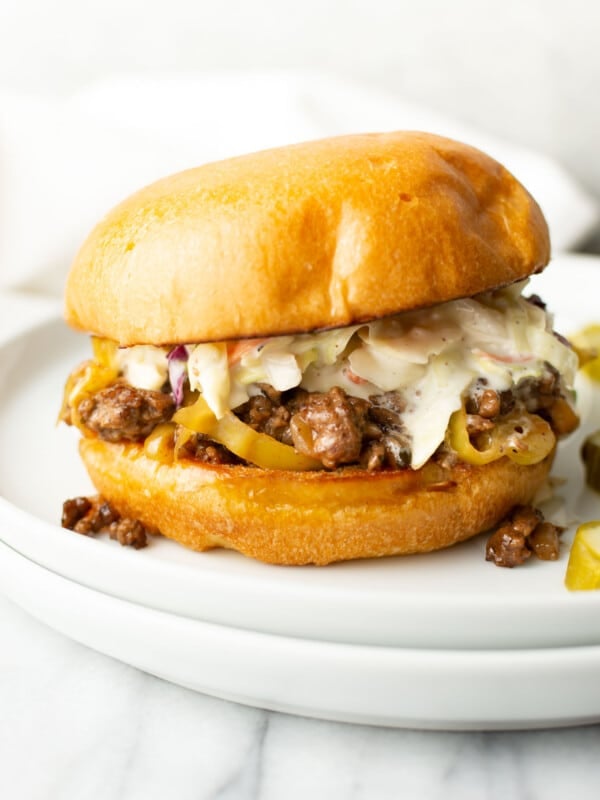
x: 123, y: 413
x: 332, y: 427
x: 201, y: 448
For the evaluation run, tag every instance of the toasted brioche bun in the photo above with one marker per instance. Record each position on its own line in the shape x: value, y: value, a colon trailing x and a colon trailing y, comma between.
x: 309, y: 517
x: 316, y: 235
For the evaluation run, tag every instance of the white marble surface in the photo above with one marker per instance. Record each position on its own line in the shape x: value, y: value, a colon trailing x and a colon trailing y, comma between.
x: 77, y: 725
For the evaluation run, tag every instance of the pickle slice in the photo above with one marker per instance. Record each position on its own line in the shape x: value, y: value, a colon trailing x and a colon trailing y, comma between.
x: 586, y: 344
x: 583, y: 570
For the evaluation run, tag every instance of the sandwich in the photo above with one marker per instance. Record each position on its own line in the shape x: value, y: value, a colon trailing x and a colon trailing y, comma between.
x: 320, y: 352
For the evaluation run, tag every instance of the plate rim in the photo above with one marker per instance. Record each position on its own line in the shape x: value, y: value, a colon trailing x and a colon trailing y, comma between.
x: 389, y: 686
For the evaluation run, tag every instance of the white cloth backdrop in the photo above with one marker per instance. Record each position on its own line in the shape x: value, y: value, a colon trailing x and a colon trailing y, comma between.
x: 65, y: 162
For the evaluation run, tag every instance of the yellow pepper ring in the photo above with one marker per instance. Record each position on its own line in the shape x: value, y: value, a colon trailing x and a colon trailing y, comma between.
x: 460, y: 442
x: 522, y: 437
x: 241, y: 439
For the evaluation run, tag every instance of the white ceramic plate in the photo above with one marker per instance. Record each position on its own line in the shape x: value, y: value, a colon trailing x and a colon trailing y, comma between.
x: 452, y: 689
x: 452, y: 599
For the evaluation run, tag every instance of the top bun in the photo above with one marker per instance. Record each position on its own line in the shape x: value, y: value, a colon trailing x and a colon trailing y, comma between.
x: 316, y: 235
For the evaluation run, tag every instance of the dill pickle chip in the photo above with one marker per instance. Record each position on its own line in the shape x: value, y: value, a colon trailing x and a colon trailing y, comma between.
x: 583, y: 570
x: 587, y: 337
x: 592, y: 369
x: 586, y: 344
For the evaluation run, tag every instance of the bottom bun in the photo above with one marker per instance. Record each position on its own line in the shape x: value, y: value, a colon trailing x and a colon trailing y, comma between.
x: 286, y: 517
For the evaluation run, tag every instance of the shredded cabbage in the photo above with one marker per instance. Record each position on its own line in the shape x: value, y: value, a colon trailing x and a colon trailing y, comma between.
x: 208, y: 372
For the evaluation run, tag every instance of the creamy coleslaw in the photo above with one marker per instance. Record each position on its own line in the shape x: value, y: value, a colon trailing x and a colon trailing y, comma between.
x: 432, y: 356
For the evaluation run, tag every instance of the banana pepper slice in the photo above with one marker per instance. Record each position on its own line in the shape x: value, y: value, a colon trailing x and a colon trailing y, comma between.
x: 524, y: 438
x: 88, y: 378
x: 241, y: 439
x: 105, y: 352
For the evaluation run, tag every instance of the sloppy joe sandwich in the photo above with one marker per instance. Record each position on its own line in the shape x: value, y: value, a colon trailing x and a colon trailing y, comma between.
x: 320, y: 352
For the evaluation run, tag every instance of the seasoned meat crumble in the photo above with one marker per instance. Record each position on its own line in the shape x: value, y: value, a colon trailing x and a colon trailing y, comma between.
x: 90, y: 515
x: 523, y: 533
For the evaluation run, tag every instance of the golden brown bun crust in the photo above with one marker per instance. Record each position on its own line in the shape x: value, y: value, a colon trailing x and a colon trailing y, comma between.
x: 315, y: 235
x: 309, y: 517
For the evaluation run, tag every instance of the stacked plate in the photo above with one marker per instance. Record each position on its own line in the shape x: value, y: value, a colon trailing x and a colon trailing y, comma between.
x: 443, y: 640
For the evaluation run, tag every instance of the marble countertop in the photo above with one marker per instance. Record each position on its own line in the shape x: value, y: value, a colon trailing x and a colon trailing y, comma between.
x: 78, y: 725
